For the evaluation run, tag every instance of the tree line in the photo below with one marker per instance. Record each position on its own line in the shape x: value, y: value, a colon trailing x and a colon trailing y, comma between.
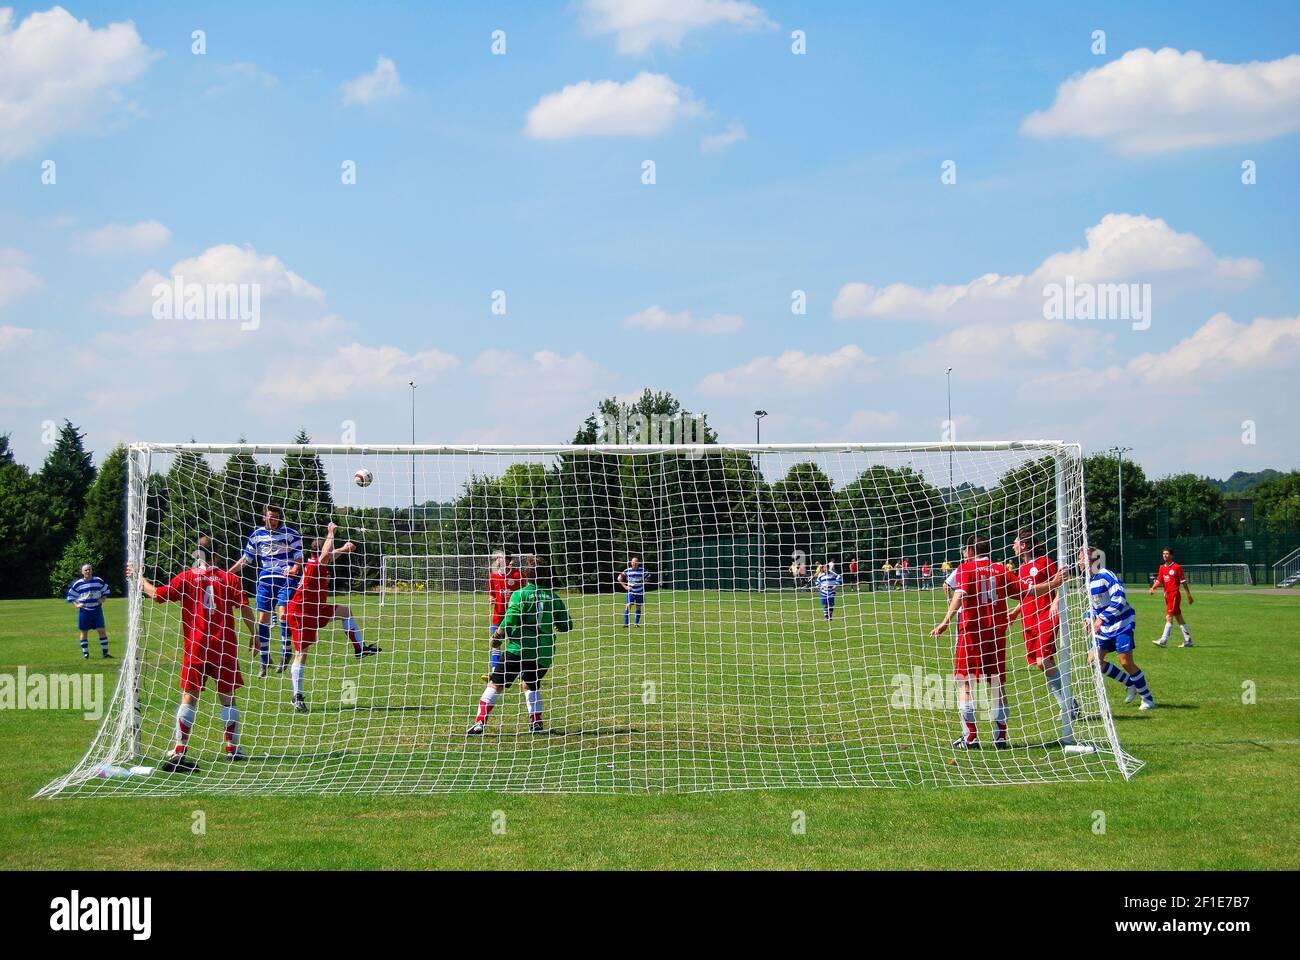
x: 713, y: 514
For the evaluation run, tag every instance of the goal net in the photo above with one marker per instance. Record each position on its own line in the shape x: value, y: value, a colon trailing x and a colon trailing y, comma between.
x: 714, y: 660
x: 1219, y: 574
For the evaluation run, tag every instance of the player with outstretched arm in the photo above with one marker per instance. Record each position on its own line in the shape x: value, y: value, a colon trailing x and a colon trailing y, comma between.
x: 207, y: 595
x: 310, y: 609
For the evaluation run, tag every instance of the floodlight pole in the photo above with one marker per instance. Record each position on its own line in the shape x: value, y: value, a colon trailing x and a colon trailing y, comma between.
x: 412, y: 384
x: 1119, y: 469
x: 952, y: 434
x: 758, y: 492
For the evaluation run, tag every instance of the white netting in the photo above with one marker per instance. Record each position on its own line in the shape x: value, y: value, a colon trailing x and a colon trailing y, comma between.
x: 734, y: 678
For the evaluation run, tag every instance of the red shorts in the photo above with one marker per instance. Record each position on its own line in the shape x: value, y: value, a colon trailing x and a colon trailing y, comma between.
x: 221, y: 667
x: 980, y: 657
x: 1040, y: 642
x: 1174, y: 604
x: 304, y: 629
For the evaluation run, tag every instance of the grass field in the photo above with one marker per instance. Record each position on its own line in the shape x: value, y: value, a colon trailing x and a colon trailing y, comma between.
x: 1219, y: 789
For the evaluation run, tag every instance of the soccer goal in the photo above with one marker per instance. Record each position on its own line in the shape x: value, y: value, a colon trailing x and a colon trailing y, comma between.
x: 1219, y: 574
x: 718, y: 669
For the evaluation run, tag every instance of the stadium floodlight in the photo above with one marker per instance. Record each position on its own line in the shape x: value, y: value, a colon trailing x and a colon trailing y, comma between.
x: 716, y: 684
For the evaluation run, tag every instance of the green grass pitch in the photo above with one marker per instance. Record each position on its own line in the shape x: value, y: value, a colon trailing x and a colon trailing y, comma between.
x: 1219, y: 789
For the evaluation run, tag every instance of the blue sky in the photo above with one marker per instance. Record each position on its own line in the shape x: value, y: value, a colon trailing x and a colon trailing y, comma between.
x: 229, y: 163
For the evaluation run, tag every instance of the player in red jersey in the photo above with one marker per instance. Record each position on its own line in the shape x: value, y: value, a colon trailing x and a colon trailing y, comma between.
x: 207, y: 595
x: 504, y: 578
x: 1040, y: 620
x: 309, y: 610
x: 1171, y: 577
x: 980, y: 589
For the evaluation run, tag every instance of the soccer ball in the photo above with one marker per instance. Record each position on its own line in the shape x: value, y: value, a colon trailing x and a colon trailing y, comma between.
x: 363, y: 477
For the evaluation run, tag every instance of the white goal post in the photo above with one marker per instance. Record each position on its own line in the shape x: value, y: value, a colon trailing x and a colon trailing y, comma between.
x: 1219, y: 574
x: 712, y: 677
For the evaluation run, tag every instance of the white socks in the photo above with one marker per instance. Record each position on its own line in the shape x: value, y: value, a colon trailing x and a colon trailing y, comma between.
x: 1164, y: 637
x: 534, y: 700
x: 1187, y: 634
x: 230, y: 720
x: 296, y: 672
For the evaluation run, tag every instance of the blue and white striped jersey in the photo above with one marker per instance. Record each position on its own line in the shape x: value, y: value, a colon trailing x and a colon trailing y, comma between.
x: 1110, y: 604
x: 828, y: 583
x: 89, y: 593
x: 635, y: 577
x: 274, y: 552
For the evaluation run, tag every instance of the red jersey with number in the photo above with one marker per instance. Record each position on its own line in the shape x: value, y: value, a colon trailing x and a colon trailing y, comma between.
x: 986, y: 586
x: 207, y: 596
x: 1171, y: 577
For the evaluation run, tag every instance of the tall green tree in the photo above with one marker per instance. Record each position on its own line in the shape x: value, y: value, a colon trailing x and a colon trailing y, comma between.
x: 101, y: 534
x: 26, y: 543
x: 303, y: 490
x: 1195, y: 505
x: 66, y: 477
x: 1277, y: 503
x: 654, y: 417
x: 1101, y: 485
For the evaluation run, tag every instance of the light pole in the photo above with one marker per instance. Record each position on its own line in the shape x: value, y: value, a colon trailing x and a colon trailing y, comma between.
x: 758, y: 493
x: 952, y: 434
x: 412, y: 384
x: 1119, y: 469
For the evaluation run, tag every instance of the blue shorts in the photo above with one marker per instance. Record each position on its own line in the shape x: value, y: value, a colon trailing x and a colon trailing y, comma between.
x: 285, y: 594
x: 637, y: 598
x: 268, y: 591
x: 828, y: 601
x: 90, y: 619
x: 1120, y: 643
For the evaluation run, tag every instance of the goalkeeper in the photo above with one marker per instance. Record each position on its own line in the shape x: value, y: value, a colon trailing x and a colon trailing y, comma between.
x: 532, y: 619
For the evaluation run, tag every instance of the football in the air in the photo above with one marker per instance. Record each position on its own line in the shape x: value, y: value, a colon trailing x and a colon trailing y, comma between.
x: 363, y: 477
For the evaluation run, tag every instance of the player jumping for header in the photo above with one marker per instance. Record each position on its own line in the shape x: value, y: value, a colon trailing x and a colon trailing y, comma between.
x: 278, y: 549
x: 1171, y: 577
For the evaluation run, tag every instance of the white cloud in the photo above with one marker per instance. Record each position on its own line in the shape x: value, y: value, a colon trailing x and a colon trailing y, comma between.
x: 646, y: 106
x: 1121, y: 248
x: 15, y: 279
x: 656, y: 319
x: 639, y: 25
x: 10, y: 335
x: 60, y: 75
x: 380, y: 84
x: 793, y: 371
x: 123, y: 238
x: 222, y: 264
x: 717, y: 142
x: 1222, y: 348
x: 1156, y: 101
x: 351, y: 369
x: 232, y: 76
x: 868, y: 423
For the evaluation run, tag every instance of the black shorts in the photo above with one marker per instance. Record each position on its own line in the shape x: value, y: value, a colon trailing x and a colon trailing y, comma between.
x: 511, y: 667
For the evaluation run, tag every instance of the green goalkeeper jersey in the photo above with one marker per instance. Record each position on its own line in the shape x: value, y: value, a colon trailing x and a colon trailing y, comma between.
x: 533, y: 618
